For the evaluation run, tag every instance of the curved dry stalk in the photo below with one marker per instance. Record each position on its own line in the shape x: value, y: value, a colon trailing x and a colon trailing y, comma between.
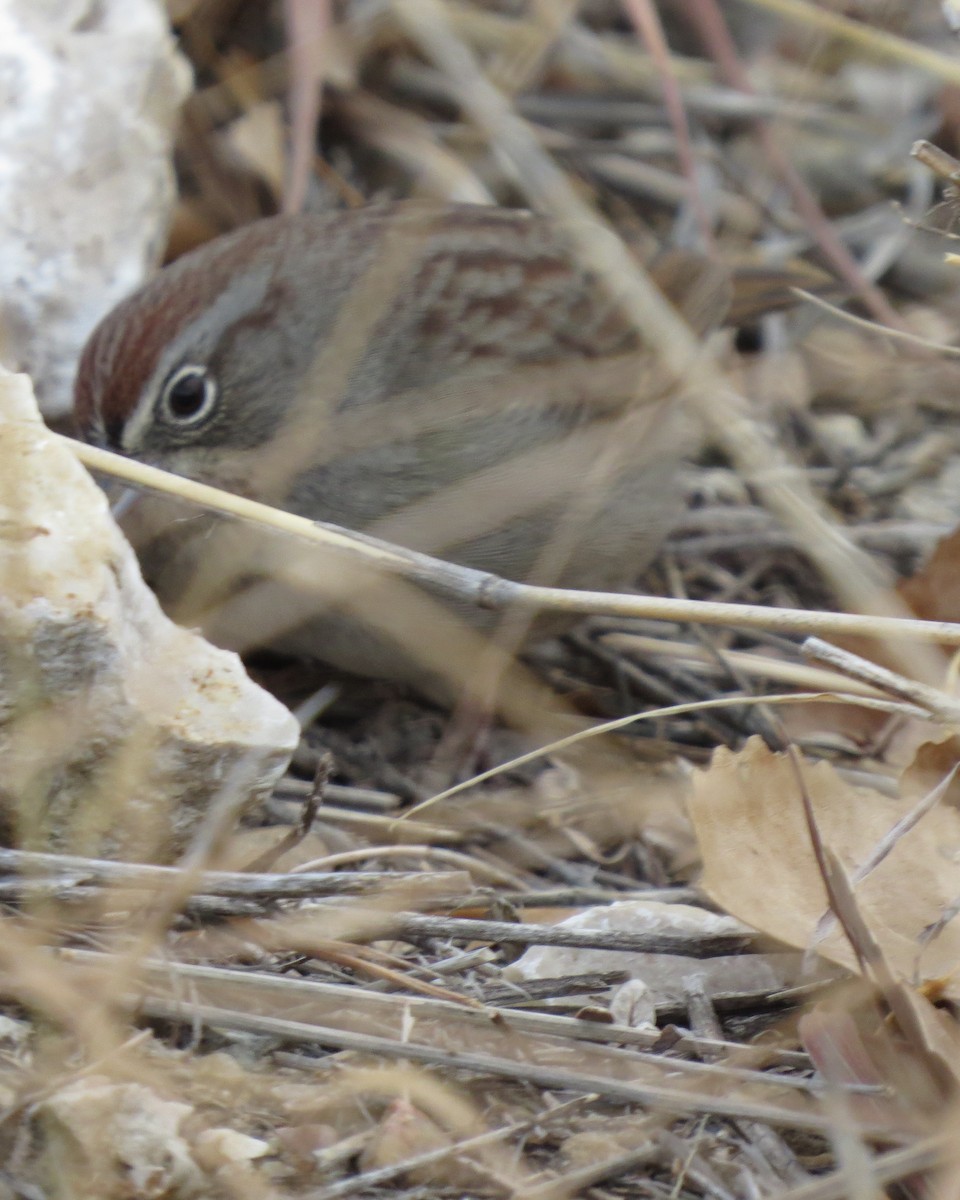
x: 655, y: 714
x: 884, y: 331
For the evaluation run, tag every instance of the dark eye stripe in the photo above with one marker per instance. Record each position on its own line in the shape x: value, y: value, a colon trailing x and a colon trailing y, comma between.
x: 113, y: 433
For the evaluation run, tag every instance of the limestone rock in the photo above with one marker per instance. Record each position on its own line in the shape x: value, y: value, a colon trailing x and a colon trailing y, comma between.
x: 663, y: 975
x: 116, y: 1140
x: 90, y: 94
x: 118, y: 729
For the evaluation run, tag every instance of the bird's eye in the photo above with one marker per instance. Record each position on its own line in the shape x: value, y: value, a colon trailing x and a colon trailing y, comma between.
x: 189, y: 395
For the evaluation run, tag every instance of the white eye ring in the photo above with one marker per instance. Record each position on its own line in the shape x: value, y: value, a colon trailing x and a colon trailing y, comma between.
x: 188, y: 395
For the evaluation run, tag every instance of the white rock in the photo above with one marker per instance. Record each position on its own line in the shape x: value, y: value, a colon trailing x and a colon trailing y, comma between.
x: 14, y: 1037
x: 115, y: 1140
x: 662, y: 974
x: 843, y: 433
x: 118, y: 729
x: 89, y: 95
x: 633, y: 1004
x: 219, y: 1147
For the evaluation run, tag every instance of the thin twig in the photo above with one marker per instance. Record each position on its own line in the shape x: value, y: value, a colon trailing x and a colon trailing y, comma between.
x: 646, y: 20
x: 376, y: 1178
x: 296, y: 835
x: 945, y: 708
x: 224, y: 883
x: 308, y: 25
x: 699, y: 944
x: 257, y: 991
x: 668, y: 1099
x: 884, y: 331
x: 489, y: 591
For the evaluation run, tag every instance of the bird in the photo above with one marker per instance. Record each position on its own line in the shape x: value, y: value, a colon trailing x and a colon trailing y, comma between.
x: 445, y: 377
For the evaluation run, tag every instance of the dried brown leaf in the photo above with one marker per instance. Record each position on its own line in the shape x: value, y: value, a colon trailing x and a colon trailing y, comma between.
x: 934, y: 591
x: 759, y: 864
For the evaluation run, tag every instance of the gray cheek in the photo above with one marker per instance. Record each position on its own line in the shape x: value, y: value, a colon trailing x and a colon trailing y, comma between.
x: 255, y: 394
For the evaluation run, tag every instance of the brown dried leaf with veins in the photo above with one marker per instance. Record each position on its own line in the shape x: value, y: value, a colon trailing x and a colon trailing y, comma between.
x: 760, y: 867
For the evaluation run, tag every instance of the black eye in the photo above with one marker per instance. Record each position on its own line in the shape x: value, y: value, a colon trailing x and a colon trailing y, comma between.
x: 189, y: 395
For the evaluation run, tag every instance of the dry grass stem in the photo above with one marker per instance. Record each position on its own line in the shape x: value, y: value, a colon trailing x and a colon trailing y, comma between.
x: 489, y: 591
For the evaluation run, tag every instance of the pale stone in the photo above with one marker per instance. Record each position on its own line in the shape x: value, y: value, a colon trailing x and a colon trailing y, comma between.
x: 219, y: 1147
x: 663, y: 975
x: 119, y: 730
x: 89, y: 97
x: 14, y: 1038
x: 633, y: 1004
x: 115, y: 1140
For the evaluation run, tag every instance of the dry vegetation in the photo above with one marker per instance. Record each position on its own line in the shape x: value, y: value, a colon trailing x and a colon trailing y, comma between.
x: 757, y: 841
